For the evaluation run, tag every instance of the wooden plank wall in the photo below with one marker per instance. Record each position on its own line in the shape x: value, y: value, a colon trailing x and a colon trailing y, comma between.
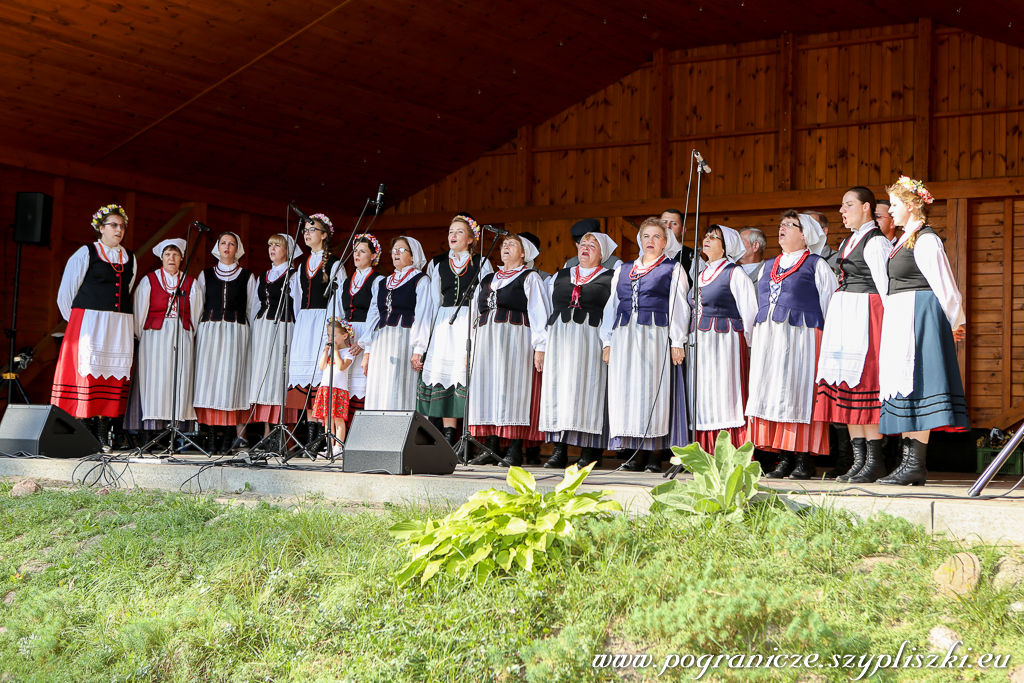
x: 808, y: 114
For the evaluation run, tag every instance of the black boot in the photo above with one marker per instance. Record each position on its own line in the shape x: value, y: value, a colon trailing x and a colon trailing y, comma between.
x: 559, y: 459
x: 860, y: 456
x: 912, y: 470
x: 312, y: 435
x: 653, y: 463
x: 843, y: 453
x: 103, y: 433
x: 589, y: 455
x: 450, y: 435
x: 805, y: 468
x: 784, y: 467
x: 638, y: 462
x: 874, y: 465
x: 227, y: 441
x: 514, y: 454
x: 493, y: 443
x: 532, y: 455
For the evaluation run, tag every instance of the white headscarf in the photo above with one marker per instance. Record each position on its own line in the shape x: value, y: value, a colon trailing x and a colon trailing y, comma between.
x: 734, y: 249
x: 158, y: 250
x: 671, y: 249
x: 296, y: 251
x: 238, y: 240
x: 608, y: 245
x: 814, y: 236
x: 530, y: 252
x: 418, y: 259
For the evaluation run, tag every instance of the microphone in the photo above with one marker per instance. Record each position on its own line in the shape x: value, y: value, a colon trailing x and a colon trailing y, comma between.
x: 303, y: 216
x: 380, y: 197
x: 496, y: 231
x: 201, y: 226
x: 701, y: 163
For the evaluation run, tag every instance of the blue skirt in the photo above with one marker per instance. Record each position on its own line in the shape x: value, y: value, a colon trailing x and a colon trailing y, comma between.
x: 679, y: 431
x: 937, y: 400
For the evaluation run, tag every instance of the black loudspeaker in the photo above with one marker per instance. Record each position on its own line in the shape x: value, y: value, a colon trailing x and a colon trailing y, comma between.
x: 32, y: 215
x: 396, y: 442
x: 45, y: 430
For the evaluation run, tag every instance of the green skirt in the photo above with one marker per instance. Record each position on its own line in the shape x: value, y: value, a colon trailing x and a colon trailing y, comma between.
x: 437, y: 401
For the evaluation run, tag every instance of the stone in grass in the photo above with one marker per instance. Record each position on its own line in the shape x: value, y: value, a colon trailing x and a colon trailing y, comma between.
x: 34, y: 567
x: 958, y: 575
x: 25, y: 488
x: 9, y: 598
x: 869, y: 564
x: 1009, y: 573
x: 1015, y: 608
x: 942, y: 638
x: 88, y: 544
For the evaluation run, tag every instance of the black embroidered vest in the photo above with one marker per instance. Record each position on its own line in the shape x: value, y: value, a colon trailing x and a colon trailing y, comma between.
x: 270, y: 298
x: 105, y: 289
x: 453, y: 286
x: 509, y: 303
x: 904, y: 275
x: 580, y: 303
x: 356, y: 307
x: 226, y: 301
x: 397, y: 306
x: 854, y: 274
x: 314, y: 291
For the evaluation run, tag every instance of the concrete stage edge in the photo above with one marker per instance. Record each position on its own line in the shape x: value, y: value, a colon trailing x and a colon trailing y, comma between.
x: 993, y: 521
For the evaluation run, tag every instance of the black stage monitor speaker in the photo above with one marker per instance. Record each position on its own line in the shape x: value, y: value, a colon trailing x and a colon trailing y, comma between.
x: 396, y: 442
x: 45, y: 430
x: 32, y: 214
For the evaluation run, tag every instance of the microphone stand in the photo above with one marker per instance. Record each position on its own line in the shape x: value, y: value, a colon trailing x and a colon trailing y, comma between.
x: 466, y: 441
x: 175, y: 302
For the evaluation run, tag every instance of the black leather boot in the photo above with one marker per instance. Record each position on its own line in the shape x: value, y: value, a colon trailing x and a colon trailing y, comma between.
x: 589, y: 455
x: 227, y: 441
x: 653, y: 463
x: 532, y: 455
x: 103, y: 432
x: 843, y: 453
x: 450, y: 435
x: 638, y: 462
x: 860, y: 456
x: 493, y: 443
x: 312, y: 434
x: 559, y: 459
x: 805, y: 468
x: 784, y: 468
x: 514, y: 454
x: 874, y: 465
x: 912, y: 471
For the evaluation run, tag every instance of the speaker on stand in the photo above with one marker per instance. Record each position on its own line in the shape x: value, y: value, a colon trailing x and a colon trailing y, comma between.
x: 396, y: 442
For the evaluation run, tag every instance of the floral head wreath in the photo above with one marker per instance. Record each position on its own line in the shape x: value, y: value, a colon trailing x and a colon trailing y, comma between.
x: 472, y: 224
x: 325, y: 220
x: 917, y: 187
x: 376, y: 246
x: 97, y: 218
x: 343, y: 324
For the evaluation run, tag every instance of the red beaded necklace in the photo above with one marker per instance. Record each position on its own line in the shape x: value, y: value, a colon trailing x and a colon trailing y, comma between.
x: 309, y: 274
x: 395, y: 282
x: 776, y: 278
x: 705, y: 279
x: 119, y: 266
x: 507, y: 274
x: 580, y: 280
x: 457, y: 270
x: 637, y: 273
x: 352, y: 289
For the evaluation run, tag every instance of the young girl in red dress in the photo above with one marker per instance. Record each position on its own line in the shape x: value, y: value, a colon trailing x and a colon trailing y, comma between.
x: 335, y: 351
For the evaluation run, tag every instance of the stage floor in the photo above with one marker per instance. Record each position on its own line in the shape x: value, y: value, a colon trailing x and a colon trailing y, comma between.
x: 941, y: 506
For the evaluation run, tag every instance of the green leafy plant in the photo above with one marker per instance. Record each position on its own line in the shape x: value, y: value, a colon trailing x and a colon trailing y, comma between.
x: 496, y: 530
x: 722, y: 484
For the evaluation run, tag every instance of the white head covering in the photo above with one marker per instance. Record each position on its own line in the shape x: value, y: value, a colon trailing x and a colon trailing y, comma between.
x: 238, y: 240
x: 734, y: 249
x: 418, y: 259
x: 671, y: 249
x: 814, y: 236
x: 158, y: 250
x: 295, y: 249
x: 530, y: 252
x: 608, y: 245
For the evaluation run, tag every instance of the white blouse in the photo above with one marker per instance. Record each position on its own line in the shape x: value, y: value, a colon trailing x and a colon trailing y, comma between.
x: 421, y: 326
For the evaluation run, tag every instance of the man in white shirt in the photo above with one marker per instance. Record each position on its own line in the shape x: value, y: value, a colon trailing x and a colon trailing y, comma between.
x: 752, y: 261
x: 884, y: 221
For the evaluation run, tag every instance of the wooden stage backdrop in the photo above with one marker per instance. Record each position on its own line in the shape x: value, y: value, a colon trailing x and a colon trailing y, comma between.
x: 785, y: 123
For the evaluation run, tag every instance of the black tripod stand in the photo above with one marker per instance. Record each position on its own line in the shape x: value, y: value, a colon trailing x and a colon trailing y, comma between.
x: 11, y: 376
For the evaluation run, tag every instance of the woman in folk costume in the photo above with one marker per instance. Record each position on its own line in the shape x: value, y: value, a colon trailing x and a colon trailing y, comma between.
x: 848, y: 365
x: 95, y: 362
x: 166, y: 326
x: 271, y: 332
x: 356, y: 302
x: 442, y: 388
x: 400, y: 319
x: 223, y: 345
x: 510, y: 310
x: 644, y: 332
x: 921, y: 390
x: 312, y: 305
x: 723, y: 322
x: 793, y: 295
x: 573, y: 400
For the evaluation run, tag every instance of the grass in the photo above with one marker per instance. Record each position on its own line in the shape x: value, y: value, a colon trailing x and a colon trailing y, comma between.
x: 197, y: 591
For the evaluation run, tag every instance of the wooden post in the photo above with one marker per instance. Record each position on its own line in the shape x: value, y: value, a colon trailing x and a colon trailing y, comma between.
x: 786, y: 78
x: 524, y: 166
x: 661, y: 85
x: 56, y: 249
x: 923, y: 100
x: 1007, y: 364
x: 957, y: 209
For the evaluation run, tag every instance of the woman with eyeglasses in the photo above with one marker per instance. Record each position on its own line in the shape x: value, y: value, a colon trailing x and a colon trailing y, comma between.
x: 441, y: 391
x: 399, y: 316
x: 224, y: 344
x: 356, y: 302
x: 793, y: 295
x: 309, y: 289
x: 95, y: 363
x: 511, y: 311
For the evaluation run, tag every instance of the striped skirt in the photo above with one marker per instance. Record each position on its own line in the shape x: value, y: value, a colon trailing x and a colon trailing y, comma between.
x: 84, y: 396
x: 267, y: 383
x: 155, y: 372
x: 572, y: 396
x: 222, y: 367
x: 390, y: 379
x: 500, y: 393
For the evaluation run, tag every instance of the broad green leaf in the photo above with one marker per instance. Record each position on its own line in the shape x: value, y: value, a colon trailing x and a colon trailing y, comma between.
x: 573, y: 478
x: 479, y: 554
x: 406, y: 528
x: 429, y: 570
x: 579, y: 506
x: 504, y: 559
x: 516, y: 525
x: 609, y: 506
x: 520, y: 480
x: 733, y: 484
x: 408, y: 571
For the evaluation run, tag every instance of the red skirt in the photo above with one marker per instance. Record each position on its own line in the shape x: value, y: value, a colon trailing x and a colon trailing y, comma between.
x: 84, y: 397
x: 221, y: 418
x: 339, y: 404
x: 860, y: 405
x: 265, y: 413
x: 789, y: 436
x: 706, y: 439
x: 527, y: 433
x: 354, y: 404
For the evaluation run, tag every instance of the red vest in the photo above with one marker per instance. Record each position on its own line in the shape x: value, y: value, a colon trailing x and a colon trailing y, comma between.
x: 159, y: 300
